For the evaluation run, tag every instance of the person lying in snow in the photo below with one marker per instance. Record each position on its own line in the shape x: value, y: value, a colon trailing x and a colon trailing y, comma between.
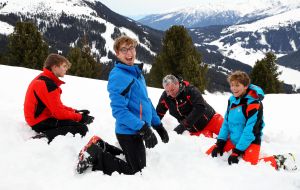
x: 43, y: 110
x: 186, y: 104
x: 241, y: 131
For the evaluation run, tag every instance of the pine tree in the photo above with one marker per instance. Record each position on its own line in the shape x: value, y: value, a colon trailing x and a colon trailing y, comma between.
x: 265, y: 74
x: 179, y: 57
x: 83, y: 63
x: 26, y: 47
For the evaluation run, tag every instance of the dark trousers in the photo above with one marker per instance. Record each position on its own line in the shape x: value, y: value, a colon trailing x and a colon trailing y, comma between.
x: 52, y: 127
x: 134, y: 151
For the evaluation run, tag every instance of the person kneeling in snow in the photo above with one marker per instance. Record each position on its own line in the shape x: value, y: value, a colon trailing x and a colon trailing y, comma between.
x: 134, y: 114
x: 243, y: 123
x: 43, y: 110
x: 186, y: 104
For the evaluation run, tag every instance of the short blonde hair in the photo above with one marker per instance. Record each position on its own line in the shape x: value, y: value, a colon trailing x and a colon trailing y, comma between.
x: 240, y: 77
x: 124, y: 39
x: 55, y: 59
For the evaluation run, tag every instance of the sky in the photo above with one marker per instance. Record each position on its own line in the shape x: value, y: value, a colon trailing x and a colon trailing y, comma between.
x: 32, y: 164
x: 138, y: 8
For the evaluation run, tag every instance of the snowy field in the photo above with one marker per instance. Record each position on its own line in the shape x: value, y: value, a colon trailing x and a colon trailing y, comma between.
x: 32, y: 164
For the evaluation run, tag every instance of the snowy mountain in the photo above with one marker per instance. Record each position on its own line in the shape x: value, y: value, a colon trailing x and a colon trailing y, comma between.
x: 248, y: 43
x: 291, y: 60
x: 191, y: 17
x: 32, y: 164
x: 210, y: 14
x: 63, y: 22
x: 235, y: 36
x: 279, y: 33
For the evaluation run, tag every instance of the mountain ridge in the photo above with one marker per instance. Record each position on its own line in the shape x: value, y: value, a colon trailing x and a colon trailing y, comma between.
x: 64, y: 22
x: 63, y: 27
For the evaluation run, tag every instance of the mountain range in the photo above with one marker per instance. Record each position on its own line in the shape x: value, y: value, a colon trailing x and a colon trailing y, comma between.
x: 64, y: 22
x: 235, y: 40
x: 231, y: 35
x: 219, y: 14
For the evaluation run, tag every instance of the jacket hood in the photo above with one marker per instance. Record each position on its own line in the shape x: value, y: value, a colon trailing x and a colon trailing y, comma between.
x: 255, y: 92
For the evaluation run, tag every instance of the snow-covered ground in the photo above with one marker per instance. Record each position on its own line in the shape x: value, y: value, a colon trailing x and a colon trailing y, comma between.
x: 181, y: 164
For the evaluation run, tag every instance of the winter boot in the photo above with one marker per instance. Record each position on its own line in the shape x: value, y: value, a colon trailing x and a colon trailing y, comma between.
x: 84, y: 162
x: 286, y: 162
x: 88, y: 156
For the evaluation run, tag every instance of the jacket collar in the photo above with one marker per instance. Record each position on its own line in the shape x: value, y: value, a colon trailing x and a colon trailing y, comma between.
x: 135, y: 69
x: 50, y: 74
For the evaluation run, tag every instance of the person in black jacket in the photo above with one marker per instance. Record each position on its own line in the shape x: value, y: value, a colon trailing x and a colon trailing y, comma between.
x: 186, y: 104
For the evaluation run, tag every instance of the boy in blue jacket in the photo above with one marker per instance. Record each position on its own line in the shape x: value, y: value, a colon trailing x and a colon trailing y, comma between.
x: 243, y: 123
x: 134, y: 114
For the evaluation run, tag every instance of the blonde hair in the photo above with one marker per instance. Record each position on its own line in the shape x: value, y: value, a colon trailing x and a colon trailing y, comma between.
x: 240, y: 77
x: 55, y: 59
x: 124, y: 39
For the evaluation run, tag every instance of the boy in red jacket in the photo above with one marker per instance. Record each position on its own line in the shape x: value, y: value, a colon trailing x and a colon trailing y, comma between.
x: 43, y: 110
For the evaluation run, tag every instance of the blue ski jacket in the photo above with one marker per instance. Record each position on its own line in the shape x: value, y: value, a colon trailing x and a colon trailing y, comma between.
x: 131, y: 106
x: 243, y: 121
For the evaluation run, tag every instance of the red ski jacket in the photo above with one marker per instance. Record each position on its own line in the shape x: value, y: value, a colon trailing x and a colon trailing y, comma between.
x: 42, y: 100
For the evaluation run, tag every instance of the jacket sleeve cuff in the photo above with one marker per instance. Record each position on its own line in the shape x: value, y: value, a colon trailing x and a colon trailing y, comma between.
x: 238, y: 152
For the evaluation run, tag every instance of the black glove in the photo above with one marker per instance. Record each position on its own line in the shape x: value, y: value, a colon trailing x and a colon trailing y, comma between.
x: 86, y: 119
x: 148, y: 136
x: 218, y: 148
x: 182, y: 127
x: 179, y: 129
x: 162, y: 133
x: 84, y: 112
x: 234, y: 157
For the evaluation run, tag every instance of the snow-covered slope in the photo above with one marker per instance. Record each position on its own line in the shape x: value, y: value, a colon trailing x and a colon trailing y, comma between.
x: 29, y: 164
x: 219, y: 13
x: 249, y: 42
x: 75, y: 7
x: 64, y: 22
x: 256, y: 27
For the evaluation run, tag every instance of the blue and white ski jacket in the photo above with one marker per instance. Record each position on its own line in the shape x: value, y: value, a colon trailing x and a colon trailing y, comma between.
x: 243, y: 121
x: 131, y: 106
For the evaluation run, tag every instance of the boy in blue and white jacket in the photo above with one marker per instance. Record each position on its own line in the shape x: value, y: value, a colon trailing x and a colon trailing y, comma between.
x: 243, y: 123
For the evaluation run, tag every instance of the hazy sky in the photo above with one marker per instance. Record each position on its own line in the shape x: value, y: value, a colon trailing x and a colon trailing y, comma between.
x: 143, y: 7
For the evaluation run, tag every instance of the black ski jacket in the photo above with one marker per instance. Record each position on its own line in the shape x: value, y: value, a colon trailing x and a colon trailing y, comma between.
x: 188, y: 107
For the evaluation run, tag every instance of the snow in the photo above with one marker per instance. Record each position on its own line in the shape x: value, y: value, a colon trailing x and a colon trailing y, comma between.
x: 5, y: 28
x: 76, y: 8
x: 241, y: 8
x: 72, y: 7
x: 181, y: 164
x: 165, y: 17
x: 250, y: 56
x: 272, y: 22
x: 289, y: 76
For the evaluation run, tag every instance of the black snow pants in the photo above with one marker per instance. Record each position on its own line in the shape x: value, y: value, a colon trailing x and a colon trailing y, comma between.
x: 134, y: 151
x: 52, y: 127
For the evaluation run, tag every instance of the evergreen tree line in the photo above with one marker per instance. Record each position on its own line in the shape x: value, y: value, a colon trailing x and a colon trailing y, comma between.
x: 178, y: 56
x: 27, y: 48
